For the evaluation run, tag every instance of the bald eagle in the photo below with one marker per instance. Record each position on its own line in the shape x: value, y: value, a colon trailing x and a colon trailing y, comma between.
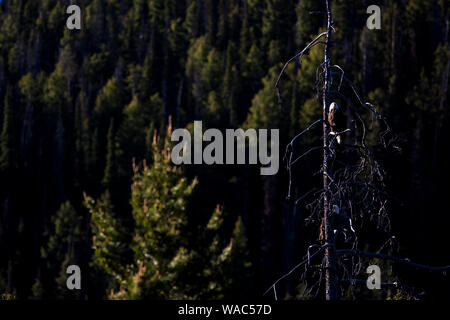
x: 336, y: 120
x: 342, y: 223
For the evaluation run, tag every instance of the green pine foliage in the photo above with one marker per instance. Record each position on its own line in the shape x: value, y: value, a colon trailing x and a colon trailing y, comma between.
x: 167, y: 261
x: 63, y: 248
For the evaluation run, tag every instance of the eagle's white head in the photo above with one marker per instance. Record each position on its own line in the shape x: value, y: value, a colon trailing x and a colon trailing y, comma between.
x: 334, y: 106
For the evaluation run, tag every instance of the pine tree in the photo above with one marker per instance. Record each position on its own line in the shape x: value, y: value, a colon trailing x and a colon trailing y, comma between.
x: 308, y: 20
x: 56, y: 96
x: 63, y: 248
x: 191, y: 22
x: 109, y: 178
x: 197, y: 55
x: 166, y: 259
x: 230, y: 89
x: 278, y: 17
x: 265, y: 110
x: 8, y: 145
x: 222, y: 28
x: 238, y: 270
x: 109, y: 104
x: 138, y: 116
x: 110, y: 238
x: 83, y: 161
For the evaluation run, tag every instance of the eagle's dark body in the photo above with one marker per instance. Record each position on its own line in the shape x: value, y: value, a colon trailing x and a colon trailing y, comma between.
x: 337, y: 120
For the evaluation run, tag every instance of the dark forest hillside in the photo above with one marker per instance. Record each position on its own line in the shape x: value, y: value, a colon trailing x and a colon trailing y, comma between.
x: 85, y: 119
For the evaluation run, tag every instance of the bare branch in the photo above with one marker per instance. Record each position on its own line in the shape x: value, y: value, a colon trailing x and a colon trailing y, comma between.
x: 395, y: 284
x: 363, y: 103
x: 303, y: 132
x: 342, y: 75
x: 390, y: 257
x: 315, y: 190
x: 301, y: 53
x: 306, y: 153
x: 298, y: 55
x: 296, y: 267
x: 366, y: 105
x: 290, y: 151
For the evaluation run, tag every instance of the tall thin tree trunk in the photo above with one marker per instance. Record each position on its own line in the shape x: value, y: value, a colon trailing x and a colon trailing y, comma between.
x: 178, y: 105
x: 442, y: 102
x: 393, y: 41
x: 330, y: 252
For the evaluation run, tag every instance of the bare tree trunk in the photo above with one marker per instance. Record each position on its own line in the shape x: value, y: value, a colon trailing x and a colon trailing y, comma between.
x: 334, y: 189
x: 330, y: 252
